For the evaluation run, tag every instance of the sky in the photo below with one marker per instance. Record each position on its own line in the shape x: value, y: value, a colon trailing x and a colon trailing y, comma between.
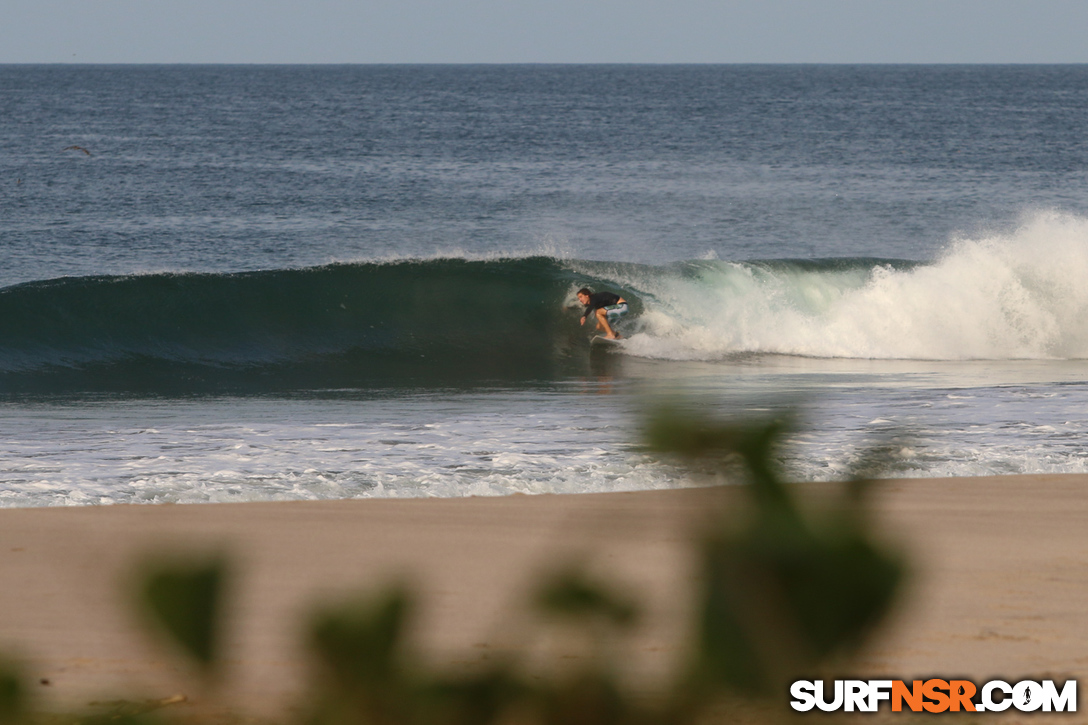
x: 543, y: 31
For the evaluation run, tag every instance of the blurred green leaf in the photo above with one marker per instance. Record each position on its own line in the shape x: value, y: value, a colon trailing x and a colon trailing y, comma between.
x: 475, y: 700
x: 778, y: 605
x: 570, y: 594
x: 13, y: 705
x: 783, y: 593
x: 185, y: 599
x: 693, y: 435
x: 690, y: 433
x: 360, y: 642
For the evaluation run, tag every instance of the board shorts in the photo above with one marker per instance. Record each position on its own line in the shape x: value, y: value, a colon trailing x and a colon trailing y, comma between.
x: 615, y: 312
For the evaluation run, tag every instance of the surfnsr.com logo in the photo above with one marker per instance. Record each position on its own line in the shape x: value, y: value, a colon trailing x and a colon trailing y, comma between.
x: 933, y: 696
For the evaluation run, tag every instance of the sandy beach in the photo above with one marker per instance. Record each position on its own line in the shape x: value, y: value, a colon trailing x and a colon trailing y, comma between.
x: 998, y: 584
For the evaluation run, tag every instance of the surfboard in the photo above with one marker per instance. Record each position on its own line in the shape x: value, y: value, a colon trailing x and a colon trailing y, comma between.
x: 606, y: 342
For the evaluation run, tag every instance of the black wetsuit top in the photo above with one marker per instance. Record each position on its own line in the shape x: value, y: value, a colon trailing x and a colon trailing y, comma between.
x: 598, y: 300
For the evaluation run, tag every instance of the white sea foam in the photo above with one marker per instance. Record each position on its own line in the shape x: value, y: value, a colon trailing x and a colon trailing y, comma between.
x: 499, y: 442
x: 1018, y: 295
x: 256, y: 449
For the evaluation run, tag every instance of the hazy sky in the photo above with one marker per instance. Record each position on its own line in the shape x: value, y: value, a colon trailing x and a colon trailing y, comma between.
x: 548, y: 31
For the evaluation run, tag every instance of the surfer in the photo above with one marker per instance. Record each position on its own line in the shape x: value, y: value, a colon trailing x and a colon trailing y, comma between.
x: 606, y: 305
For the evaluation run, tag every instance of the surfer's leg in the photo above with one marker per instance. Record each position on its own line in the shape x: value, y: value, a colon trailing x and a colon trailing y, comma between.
x: 602, y: 324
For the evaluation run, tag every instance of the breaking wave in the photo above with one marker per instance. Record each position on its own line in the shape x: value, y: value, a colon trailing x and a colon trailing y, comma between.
x: 1020, y: 295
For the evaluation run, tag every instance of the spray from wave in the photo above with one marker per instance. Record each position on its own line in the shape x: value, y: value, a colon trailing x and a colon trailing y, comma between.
x: 1020, y: 295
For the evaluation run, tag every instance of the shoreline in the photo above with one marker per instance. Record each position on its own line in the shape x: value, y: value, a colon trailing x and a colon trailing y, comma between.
x: 998, y: 588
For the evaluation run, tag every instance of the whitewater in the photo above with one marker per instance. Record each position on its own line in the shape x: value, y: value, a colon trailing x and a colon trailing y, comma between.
x: 281, y: 283
x: 1019, y: 295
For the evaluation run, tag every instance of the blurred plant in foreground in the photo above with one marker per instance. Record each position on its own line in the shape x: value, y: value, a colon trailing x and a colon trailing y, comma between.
x: 13, y: 705
x: 786, y: 590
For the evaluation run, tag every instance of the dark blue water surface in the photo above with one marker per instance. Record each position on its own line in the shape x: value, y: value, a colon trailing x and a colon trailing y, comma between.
x: 227, y: 168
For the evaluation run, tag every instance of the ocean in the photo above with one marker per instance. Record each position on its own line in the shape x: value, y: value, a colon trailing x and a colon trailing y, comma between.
x: 240, y: 283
